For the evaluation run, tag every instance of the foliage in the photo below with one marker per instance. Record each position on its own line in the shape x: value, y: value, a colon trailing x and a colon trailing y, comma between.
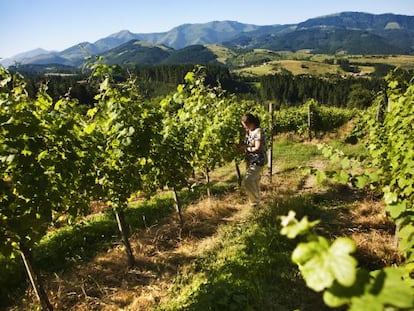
x: 289, y: 90
x: 389, y: 170
x: 359, y: 97
x: 248, y: 269
x: 389, y: 167
x: 323, y: 119
x: 205, y: 120
x: 121, y: 130
x: 391, y: 146
x: 45, y: 169
x: 329, y: 267
x: 80, y: 241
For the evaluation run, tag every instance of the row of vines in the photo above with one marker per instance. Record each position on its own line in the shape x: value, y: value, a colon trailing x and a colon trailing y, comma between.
x: 311, y: 119
x: 56, y: 157
x: 387, y: 129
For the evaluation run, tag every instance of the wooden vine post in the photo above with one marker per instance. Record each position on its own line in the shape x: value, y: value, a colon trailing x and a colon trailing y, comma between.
x: 123, y: 230
x: 270, y: 151
x: 239, y: 176
x: 178, y: 208
x: 35, y: 280
x: 310, y: 122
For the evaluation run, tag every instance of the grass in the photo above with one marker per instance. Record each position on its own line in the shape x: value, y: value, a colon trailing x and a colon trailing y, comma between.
x: 296, y: 67
x: 264, y: 62
x: 290, y: 154
x: 249, y: 268
x: 403, y: 61
x: 63, y: 248
x: 223, y: 53
x: 228, y: 257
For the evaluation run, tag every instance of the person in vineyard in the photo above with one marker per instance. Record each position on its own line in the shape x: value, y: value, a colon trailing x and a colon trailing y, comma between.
x: 254, y: 147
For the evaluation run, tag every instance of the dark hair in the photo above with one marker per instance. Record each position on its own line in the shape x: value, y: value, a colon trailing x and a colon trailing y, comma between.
x: 249, y: 118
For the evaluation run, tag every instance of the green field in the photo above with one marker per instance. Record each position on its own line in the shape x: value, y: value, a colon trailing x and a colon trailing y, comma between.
x: 259, y: 62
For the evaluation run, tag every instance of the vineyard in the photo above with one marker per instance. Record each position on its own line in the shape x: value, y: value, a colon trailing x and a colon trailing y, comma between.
x: 135, y: 204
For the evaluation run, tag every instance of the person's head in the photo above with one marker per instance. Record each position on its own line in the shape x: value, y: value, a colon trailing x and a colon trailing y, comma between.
x: 250, y: 121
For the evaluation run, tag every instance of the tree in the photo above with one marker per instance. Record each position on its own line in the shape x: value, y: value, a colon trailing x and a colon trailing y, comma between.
x: 359, y: 97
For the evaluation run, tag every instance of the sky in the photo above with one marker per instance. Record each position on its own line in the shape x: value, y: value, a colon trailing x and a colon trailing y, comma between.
x: 58, y: 24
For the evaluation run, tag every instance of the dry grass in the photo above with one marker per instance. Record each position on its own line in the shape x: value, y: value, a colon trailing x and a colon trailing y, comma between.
x: 105, y: 283
x: 373, y: 232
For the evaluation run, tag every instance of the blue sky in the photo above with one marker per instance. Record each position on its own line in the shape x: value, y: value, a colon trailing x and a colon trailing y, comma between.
x: 58, y: 24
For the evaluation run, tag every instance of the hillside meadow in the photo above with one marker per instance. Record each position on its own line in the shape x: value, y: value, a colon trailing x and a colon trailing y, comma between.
x: 265, y: 62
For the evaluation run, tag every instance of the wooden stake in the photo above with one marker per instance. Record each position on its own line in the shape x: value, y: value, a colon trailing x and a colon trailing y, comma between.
x: 35, y: 280
x: 120, y: 219
x: 178, y: 208
x: 270, y: 151
x: 239, y: 177
x: 208, y: 182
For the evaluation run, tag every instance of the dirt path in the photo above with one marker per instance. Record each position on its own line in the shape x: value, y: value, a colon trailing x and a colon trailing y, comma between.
x: 106, y: 283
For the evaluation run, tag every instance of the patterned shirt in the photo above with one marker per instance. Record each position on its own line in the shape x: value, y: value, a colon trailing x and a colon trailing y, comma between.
x: 258, y: 157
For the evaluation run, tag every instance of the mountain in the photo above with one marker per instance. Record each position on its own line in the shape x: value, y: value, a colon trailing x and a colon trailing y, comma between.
x: 48, y: 58
x: 350, y: 32
x: 137, y: 52
x: 328, y: 41
x: 347, y: 32
x: 23, y: 57
x: 396, y: 30
x: 360, y: 21
x: 115, y: 40
x: 193, y: 34
x: 193, y: 54
x: 143, y: 53
x: 177, y: 38
x: 76, y: 54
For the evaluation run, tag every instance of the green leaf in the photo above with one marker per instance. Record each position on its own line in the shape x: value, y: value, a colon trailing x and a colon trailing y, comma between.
x: 189, y: 77
x: 396, y: 210
x: 320, y: 176
x: 310, y: 258
x: 389, y: 196
x: 362, y: 181
x: 293, y: 228
x: 338, y: 295
x: 342, y: 177
x: 393, y: 84
x: 92, y: 112
x: 26, y: 152
x: 366, y: 303
x: 344, y: 265
x: 42, y: 155
x: 345, y: 163
x: 321, y: 264
x: 393, y: 288
x: 406, y: 235
x: 90, y: 128
x: 7, y: 159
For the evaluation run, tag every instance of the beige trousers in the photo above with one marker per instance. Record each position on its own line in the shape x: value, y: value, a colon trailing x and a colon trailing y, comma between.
x: 252, y: 183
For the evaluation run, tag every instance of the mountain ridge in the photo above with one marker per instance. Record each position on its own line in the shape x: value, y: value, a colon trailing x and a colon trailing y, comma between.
x: 348, y: 32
